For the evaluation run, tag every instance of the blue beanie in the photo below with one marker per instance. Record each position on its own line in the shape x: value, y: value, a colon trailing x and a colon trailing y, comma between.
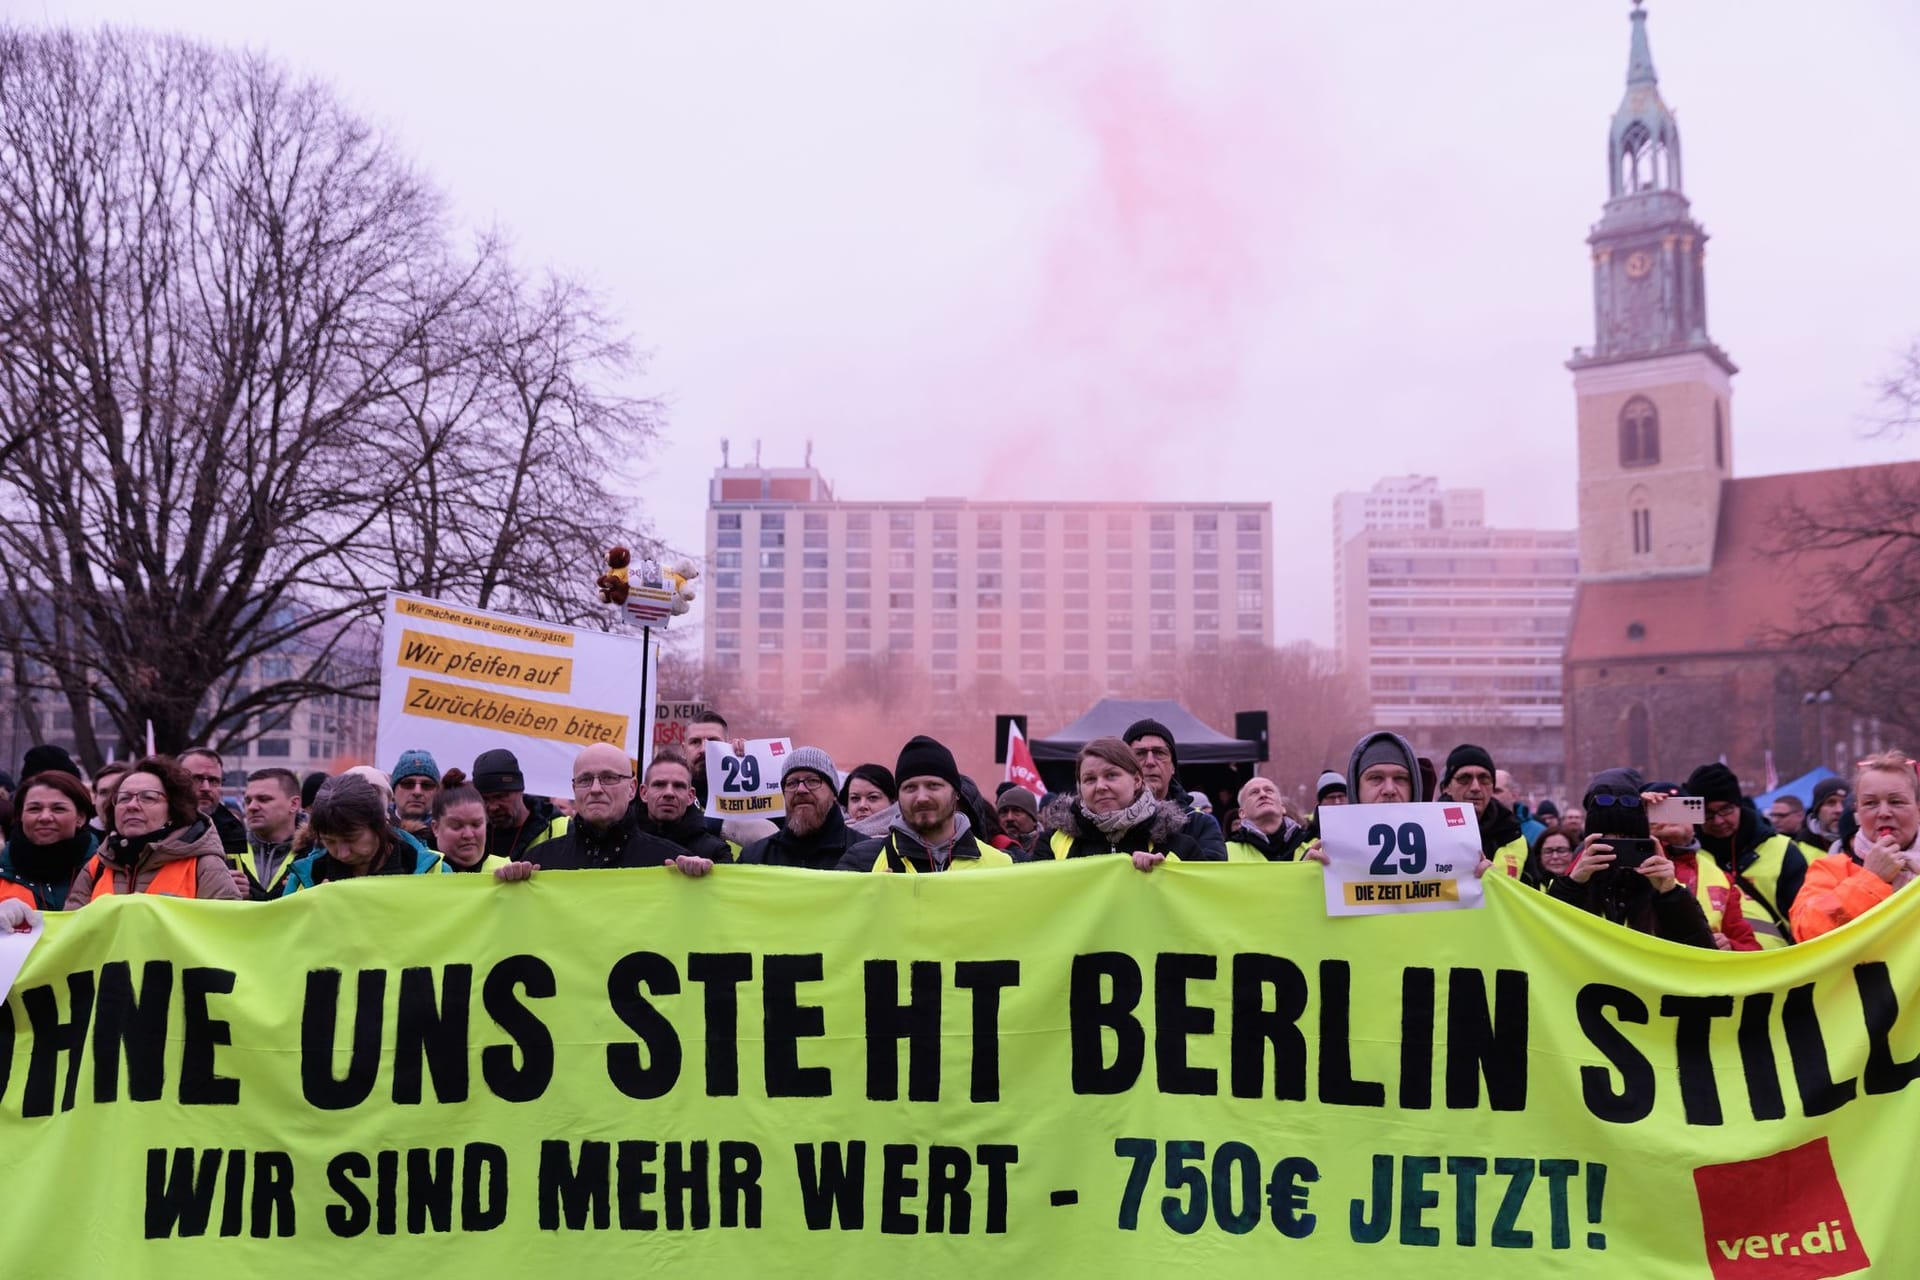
x: 415, y: 764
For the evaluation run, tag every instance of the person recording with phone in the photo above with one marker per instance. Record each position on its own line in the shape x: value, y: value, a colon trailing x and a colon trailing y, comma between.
x: 1735, y: 921
x: 1624, y: 875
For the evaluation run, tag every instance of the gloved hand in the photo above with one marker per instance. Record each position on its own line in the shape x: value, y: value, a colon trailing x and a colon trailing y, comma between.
x: 16, y: 916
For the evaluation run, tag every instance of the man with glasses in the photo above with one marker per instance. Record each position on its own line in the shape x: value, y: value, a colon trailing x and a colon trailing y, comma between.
x: 1154, y: 747
x: 605, y: 831
x: 816, y: 835
x: 415, y: 781
x: 208, y: 772
x: 1767, y: 866
x: 515, y: 823
x: 1470, y: 778
x: 667, y: 808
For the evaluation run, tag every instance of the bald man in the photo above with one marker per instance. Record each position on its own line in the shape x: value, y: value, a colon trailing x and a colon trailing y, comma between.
x: 605, y: 829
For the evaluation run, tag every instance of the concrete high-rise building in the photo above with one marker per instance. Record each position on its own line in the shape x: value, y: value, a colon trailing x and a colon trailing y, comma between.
x: 1458, y: 630
x: 1064, y: 597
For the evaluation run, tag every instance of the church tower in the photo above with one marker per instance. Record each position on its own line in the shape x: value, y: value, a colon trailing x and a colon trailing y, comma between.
x: 1653, y: 392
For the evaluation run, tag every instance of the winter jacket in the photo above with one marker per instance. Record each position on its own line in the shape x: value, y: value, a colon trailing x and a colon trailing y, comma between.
x: 1501, y: 839
x: 1250, y: 844
x: 690, y: 833
x: 619, y: 844
x: 1625, y: 897
x: 133, y: 863
x: 543, y: 823
x: 1165, y: 831
x: 274, y: 857
x: 408, y: 857
x: 1769, y: 870
x: 231, y: 829
x: 1209, y: 844
x: 819, y: 850
x: 1838, y: 889
x: 901, y: 850
x: 41, y: 875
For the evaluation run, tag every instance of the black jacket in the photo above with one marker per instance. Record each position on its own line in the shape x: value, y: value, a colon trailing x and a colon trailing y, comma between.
x: 1165, y: 830
x: 232, y: 831
x: 621, y: 845
x: 1283, y: 845
x: 1200, y: 827
x: 1498, y: 828
x: 505, y: 842
x: 690, y: 833
x: 820, y: 850
x: 1624, y: 897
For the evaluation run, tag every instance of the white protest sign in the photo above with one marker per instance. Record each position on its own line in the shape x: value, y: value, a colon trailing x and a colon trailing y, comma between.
x: 1400, y: 857
x: 14, y: 947
x: 456, y: 682
x: 747, y: 786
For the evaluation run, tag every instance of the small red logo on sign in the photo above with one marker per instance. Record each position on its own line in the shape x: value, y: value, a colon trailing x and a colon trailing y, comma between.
x: 1781, y: 1217
x: 1456, y: 817
x: 775, y: 749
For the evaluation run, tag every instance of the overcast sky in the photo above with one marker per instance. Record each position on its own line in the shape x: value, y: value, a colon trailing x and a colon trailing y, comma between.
x: 1259, y: 250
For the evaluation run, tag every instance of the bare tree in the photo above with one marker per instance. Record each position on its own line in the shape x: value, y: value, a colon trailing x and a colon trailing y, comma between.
x: 1859, y: 630
x: 247, y: 384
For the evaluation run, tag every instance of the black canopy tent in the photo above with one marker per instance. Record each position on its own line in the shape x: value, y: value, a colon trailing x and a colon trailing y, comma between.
x: 1210, y: 761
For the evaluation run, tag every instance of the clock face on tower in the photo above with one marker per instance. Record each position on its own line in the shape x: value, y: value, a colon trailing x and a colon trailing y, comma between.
x: 1639, y: 263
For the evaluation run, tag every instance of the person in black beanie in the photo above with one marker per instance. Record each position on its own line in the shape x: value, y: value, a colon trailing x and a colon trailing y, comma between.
x: 1647, y: 898
x: 1767, y: 866
x: 1158, y: 754
x: 46, y: 758
x: 1822, y: 826
x: 931, y: 833
x: 1469, y: 779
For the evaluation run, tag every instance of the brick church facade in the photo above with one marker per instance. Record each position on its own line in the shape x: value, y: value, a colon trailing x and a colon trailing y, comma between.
x: 1674, y: 655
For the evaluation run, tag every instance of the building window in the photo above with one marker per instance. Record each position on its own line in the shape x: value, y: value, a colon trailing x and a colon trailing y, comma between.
x: 1639, y: 433
x: 1642, y: 531
x: 729, y: 520
x: 1719, y: 437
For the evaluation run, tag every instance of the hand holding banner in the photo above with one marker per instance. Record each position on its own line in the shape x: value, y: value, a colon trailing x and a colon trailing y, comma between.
x: 1400, y: 857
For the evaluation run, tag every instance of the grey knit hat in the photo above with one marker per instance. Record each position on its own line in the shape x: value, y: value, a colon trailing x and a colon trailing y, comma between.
x: 813, y: 759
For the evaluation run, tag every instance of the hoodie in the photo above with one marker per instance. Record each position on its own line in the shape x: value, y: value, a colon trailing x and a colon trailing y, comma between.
x: 1406, y: 756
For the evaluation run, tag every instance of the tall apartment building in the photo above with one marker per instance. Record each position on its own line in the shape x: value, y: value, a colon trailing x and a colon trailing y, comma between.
x: 1396, y: 502
x: 1457, y: 629
x: 1074, y: 597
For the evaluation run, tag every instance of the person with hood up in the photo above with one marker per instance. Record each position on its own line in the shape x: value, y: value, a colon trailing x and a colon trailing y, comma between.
x: 352, y: 823
x: 1264, y: 832
x: 667, y: 808
x: 931, y: 834
x: 1470, y: 778
x: 816, y: 836
x: 1648, y: 898
x: 53, y: 837
x: 1767, y: 866
x: 161, y: 843
x: 1881, y: 857
x: 1115, y: 811
x: 1159, y: 756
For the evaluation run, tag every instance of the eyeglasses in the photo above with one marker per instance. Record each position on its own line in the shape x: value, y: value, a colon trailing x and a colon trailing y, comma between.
x: 606, y: 781
x: 1605, y: 801
x: 416, y: 783
x: 803, y: 784
x: 140, y: 797
x: 211, y: 779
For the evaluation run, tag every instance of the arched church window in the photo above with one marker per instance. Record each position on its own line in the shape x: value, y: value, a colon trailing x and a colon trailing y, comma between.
x: 1639, y: 433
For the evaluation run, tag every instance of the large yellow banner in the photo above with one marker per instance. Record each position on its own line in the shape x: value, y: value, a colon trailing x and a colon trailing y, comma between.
x: 1054, y: 1070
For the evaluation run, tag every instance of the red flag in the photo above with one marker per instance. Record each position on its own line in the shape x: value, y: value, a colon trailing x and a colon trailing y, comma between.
x: 1020, y: 770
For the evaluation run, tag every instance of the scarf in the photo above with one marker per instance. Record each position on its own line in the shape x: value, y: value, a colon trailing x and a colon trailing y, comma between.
x: 1120, y: 821
x: 48, y: 863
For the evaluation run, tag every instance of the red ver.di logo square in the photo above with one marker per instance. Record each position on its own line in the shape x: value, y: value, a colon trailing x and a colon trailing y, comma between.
x: 1781, y: 1217
x: 1456, y: 817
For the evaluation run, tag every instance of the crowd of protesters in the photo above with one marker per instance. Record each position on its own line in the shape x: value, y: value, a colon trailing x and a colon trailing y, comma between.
x: 1735, y: 879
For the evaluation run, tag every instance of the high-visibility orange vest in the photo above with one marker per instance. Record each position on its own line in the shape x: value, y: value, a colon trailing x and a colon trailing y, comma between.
x: 9, y: 889
x: 178, y: 879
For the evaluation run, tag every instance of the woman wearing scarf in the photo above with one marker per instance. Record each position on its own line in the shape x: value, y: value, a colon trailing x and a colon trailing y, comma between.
x: 1115, y: 812
x: 52, y: 837
x: 1879, y: 859
x: 157, y: 843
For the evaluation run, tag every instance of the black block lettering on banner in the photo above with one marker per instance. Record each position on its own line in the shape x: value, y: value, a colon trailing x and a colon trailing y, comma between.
x: 1416, y: 1198
x: 788, y: 1022
x: 949, y: 1204
x: 1338, y: 1085
x: 1174, y: 1019
x: 1506, y: 1234
x: 429, y: 1190
x: 1693, y: 1051
x: 1757, y: 1062
x: 575, y: 1193
x: 833, y: 1180
x: 1633, y: 1100
x: 996, y: 1158
x: 430, y: 1034
x: 897, y: 1184
x: 1091, y: 1013
x: 1466, y: 1172
x: 986, y: 979
x: 1269, y: 999
x: 483, y: 1187
x: 1489, y: 1044
x: 319, y: 1024
x: 1416, y: 1039
x: 53, y: 1037
x: 201, y: 1085
x: 740, y: 1185
x: 6, y: 1047
x: 888, y: 1022
x: 720, y: 974
x: 1880, y: 1006
x: 634, y: 1180
x: 133, y: 1026
x: 684, y: 1183
x: 629, y: 1073
x: 1820, y: 1093
x: 353, y: 1213
x: 530, y: 1078
x: 180, y: 1190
